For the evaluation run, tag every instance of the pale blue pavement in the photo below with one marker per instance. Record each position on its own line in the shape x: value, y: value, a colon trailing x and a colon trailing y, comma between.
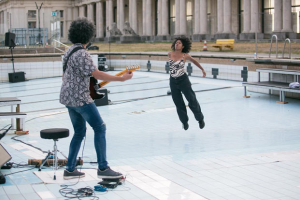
x: 249, y: 148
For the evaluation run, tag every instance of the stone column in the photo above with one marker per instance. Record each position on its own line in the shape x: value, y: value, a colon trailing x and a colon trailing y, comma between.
x: 75, y: 13
x: 130, y: 17
x: 197, y: 16
x: 182, y: 17
x: 177, y: 17
x: 69, y: 17
x: 149, y: 17
x: 134, y: 21
x: 159, y: 17
x: 109, y: 16
x: 277, y: 15
x: 6, y: 21
x: 164, y: 17
x: 99, y: 20
x: 227, y: 17
x: 254, y: 16
x: 144, y: 17
x: 203, y: 17
x: 220, y: 16
x: 81, y: 11
x: 1, y: 23
x: 247, y: 17
x: 90, y: 13
x: 121, y: 14
x: 287, y: 16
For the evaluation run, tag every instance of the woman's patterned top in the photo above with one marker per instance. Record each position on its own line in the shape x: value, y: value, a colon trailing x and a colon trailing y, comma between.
x: 177, y: 67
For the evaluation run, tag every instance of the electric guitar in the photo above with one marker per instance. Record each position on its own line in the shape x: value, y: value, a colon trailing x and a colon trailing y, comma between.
x: 95, y: 86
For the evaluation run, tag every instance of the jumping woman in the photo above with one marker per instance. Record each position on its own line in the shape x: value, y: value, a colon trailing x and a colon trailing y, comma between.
x: 180, y: 83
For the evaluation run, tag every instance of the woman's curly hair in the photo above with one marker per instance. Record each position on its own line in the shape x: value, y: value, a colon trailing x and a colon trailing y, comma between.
x: 185, y: 42
x: 81, y: 31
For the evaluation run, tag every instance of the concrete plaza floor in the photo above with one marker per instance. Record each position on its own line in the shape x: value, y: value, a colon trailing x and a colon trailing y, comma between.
x: 249, y: 148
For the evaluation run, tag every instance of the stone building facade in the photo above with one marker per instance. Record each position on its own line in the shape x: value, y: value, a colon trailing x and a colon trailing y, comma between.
x: 160, y: 20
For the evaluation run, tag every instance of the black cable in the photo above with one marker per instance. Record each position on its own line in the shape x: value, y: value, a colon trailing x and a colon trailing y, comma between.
x: 4, y: 127
x: 70, y: 193
x: 20, y: 171
x: 14, y: 138
x: 6, y: 130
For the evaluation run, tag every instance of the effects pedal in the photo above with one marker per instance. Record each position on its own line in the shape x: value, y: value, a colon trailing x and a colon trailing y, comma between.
x: 111, y: 183
x: 100, y: 188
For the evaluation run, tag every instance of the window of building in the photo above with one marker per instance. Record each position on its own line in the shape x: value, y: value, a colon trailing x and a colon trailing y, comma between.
x: 172, y: 17
x: 61, y: 29
x: 31, y: 24
x: 61, y: 13
x: 241, y: 16
x: 189, y: 17
x: 296, y: 16
x: 31, y: 14
x: 268, y: 16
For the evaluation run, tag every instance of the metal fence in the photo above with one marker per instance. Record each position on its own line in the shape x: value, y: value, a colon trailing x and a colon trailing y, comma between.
x: 32, y: 36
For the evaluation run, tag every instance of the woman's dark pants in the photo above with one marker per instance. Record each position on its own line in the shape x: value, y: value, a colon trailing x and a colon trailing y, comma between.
x: 183, y: 85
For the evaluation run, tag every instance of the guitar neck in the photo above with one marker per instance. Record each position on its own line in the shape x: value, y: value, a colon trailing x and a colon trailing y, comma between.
x: 103, y: 83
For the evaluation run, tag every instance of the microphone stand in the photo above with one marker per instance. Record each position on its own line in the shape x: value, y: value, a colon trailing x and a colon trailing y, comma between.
x: 12, y: 55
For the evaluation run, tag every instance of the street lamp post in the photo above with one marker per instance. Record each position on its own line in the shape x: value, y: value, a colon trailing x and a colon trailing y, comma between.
x: 39, y: 8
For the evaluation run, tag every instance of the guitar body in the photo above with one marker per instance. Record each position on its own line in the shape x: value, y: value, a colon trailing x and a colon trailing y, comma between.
x: 94, y: 86
x: 93, y: 92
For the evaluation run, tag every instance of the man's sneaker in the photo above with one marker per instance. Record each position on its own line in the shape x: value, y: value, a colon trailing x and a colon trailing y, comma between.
x: 74, y: 174
x: 108, y: 173
x: 201, y: 124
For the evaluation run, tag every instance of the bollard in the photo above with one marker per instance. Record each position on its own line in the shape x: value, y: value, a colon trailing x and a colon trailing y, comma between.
x: 215, y: 72
x: 148, y: 65
x: 189, y: 69
x: 244, y: 74
x: 167, y: 67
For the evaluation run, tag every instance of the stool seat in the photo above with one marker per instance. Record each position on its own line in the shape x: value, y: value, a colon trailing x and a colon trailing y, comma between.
x: 54, y: 133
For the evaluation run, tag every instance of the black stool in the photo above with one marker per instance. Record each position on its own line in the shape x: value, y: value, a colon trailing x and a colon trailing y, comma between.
x: 54, y: 134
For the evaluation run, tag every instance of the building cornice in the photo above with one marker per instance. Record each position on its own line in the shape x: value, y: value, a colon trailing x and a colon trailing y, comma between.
x: 86, y: 2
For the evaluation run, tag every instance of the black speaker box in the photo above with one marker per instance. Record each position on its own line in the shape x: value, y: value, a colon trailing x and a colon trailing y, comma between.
x: 10, y: 39
x: 104, y: 100
x: 16, y: 77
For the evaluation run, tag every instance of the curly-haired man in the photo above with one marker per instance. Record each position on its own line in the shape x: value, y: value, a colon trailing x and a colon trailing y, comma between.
x: 75, y: 95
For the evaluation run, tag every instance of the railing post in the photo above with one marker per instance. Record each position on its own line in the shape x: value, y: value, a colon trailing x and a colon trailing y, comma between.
x: 244, y: 74
x: 167, y: 67
x: 149, y: 66
x: 189, y: 69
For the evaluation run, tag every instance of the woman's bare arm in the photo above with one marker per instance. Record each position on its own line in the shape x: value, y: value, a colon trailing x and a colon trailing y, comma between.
x: 190, y: 58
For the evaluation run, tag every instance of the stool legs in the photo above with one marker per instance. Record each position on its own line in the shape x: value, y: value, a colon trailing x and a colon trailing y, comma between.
x: 45, y: 160
x: 55, y: 159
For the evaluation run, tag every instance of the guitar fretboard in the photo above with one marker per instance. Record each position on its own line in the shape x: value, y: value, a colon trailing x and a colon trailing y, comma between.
x: 131, y: 69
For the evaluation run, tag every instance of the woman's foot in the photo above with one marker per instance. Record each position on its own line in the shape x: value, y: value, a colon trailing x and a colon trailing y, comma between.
x: 185, y: 126
x: 201, y: 124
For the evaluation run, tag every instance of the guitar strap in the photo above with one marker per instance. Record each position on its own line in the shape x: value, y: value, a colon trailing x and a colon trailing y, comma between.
x: 73, y: 51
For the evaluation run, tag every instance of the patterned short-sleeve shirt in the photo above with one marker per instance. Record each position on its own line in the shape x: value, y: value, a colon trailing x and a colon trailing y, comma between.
x: 76, y: 80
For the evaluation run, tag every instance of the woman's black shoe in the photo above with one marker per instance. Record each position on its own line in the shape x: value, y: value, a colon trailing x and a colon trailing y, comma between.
x: 185, y: 126
x: 201, y: 124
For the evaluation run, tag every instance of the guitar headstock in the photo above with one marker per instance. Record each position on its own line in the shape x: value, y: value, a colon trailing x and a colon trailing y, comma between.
x: 133, y: 68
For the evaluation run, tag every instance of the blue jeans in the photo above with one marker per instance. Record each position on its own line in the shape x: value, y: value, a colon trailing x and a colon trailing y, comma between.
x: 79, y: 116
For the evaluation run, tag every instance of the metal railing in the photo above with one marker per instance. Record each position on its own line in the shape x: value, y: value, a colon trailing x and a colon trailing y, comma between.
x: 56, y: 41
x: 287, y: 39
x: 276, y: 46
